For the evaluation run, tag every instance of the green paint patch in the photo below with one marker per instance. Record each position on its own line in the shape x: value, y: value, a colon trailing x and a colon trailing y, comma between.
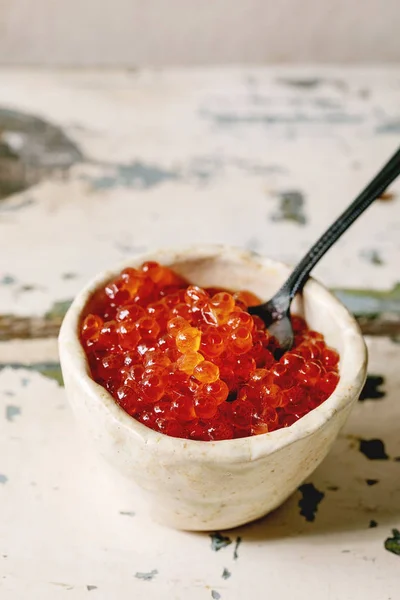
x: 372, y: 256
x: 30, y: 150
x: 23, y: 328
x: 389, y: 127
x: 51, y: 370
x: 392, y: 544
x: 219, y: 541
x: 147, y: 576
x: 309, y: 83
x: 393, y: 293
x: 7, y: 280
x: 236, y: 548
x: 12, y: 411
x: 276, y: 119
x: 59, y: 309
x: 136, y: 175
x: 370, y: 302
x: 291, y: 207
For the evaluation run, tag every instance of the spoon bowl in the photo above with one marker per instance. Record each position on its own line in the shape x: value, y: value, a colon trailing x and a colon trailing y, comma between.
x: 278, y: 323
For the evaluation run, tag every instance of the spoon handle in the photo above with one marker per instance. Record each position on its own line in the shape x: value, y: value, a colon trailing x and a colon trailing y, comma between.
x: 373, y: 190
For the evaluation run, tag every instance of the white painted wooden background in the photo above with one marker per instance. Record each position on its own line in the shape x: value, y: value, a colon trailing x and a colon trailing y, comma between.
x: 175, y: 157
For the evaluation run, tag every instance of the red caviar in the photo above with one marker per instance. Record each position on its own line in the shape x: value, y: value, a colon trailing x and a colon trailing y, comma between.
x: 193, y: 363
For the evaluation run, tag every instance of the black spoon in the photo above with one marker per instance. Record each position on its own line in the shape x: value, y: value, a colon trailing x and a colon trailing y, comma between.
x: 276, y: 312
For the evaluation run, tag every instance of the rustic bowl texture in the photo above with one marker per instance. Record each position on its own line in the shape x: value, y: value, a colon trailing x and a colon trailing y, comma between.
x: 216, y: 485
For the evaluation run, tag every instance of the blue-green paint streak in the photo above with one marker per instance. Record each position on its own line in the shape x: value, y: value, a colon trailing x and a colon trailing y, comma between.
x: 12, y: 411
x: 51, y: 370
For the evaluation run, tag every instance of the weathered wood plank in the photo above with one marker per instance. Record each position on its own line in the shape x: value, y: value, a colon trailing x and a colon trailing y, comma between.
x: 371, y: 323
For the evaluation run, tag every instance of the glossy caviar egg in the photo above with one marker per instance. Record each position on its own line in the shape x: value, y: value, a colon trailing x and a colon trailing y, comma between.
x: 191, y: 362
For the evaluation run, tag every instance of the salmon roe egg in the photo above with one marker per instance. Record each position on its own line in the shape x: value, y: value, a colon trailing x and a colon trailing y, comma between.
x: 191, y: 362
x: 188, y: 339
x: 206, y: 372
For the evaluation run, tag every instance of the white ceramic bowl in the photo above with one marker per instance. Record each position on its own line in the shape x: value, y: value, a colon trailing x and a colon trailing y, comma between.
x: 216, y: 485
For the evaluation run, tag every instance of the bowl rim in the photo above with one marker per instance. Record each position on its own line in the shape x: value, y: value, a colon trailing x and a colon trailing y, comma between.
x: 354, y: 356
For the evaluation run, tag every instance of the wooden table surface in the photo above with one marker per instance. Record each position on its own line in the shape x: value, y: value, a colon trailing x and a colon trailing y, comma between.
x: 97, y: 166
